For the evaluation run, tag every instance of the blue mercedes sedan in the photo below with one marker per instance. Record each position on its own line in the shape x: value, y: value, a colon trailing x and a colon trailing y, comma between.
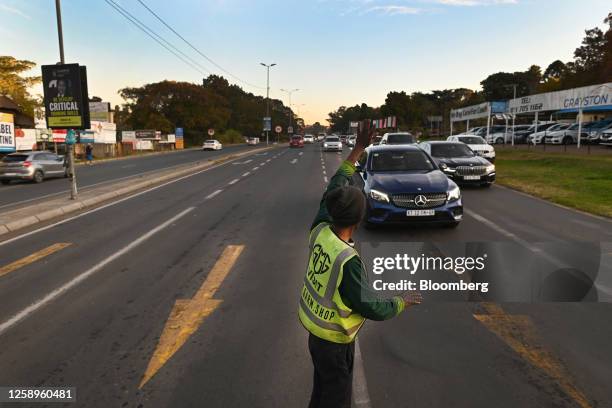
x: 403, y: 184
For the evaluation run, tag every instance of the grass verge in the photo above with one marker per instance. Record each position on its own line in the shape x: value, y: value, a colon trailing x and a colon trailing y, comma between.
x: 577, y: 181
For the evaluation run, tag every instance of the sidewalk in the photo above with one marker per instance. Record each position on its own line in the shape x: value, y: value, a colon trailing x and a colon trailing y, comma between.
x: 48, y: 209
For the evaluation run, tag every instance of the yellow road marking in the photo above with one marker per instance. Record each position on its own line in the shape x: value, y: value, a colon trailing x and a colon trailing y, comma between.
x: 20, y: 263
x: 520, y: 334
x: 188, y: 314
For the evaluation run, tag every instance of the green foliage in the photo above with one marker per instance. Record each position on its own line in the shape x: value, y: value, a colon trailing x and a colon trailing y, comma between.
x: 215, y: 104
x: 16, y: 86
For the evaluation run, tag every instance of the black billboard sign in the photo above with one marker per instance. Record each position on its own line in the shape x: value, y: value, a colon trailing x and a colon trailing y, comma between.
x: 65, y: 96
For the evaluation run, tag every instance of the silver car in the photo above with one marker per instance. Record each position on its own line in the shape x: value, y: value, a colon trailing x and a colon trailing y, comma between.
x: 33, y: 166
x: 332, y: 143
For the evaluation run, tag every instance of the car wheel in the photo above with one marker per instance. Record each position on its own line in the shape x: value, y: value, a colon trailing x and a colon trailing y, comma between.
x: 499, y: 141
x: 38, y: 176
x: 6, y: 182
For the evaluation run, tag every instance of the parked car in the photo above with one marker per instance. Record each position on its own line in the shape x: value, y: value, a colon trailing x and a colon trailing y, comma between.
x: 606, y: 137
x: 594, y: 132
x: 398, y: 138
x: 565, y: 136
x: 308, y: 138
x: 332, y: 143
x: 477, y: 144
x: 34, y: 166
x: 350, y: 141
x: 539, y: 136
x: 498, y: 134
x: 296, y: 141
x: 403, y: 185
x: 460, y: 163
x: 212, y: 144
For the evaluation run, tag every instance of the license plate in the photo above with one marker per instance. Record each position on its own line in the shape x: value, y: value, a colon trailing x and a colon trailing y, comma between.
x: 420, y: 213
x: 471, y: 177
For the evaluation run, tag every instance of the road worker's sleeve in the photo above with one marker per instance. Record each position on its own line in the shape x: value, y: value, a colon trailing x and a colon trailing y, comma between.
x: 343, y: 177
x: 354, y: 290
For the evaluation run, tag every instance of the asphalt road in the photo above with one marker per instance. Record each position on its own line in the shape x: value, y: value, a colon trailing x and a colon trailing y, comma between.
x: 20, y: 193
x: 231, y: 244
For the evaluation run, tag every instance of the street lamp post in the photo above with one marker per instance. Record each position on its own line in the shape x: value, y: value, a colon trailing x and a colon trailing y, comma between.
x: 513, y: 115
x: 70, y: 147
x: 268, y: 66
x: 290, y: 92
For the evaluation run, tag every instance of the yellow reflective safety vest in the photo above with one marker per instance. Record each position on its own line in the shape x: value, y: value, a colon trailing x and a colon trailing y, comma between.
x: 321, y: 310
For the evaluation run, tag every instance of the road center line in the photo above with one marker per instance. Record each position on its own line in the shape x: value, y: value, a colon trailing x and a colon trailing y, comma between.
x: 234, y: 181
x: 213, y: 194
x: 293, y: 161
x: 255, y: 169
x: 246, y: 174
x: 80, y: 278
x: 20, y: 263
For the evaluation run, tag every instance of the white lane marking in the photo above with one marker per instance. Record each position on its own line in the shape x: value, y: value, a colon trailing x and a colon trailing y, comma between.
x: 80, y: 278
x: 213, y: 194
x: 55, y: 224
x: 234, y: 181
x: 293, y: 161
x: 325, y: 179
x: 268, y: 161
x: 361, y: 396
x: 300, y: 153
x: 244, y: 162
x: 255, y: 168
x: 262, y: 164
x: 246, y: 174
x: 324, y: 172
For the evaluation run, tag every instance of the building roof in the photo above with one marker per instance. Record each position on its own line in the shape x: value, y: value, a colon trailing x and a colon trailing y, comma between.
x: 21, y: 119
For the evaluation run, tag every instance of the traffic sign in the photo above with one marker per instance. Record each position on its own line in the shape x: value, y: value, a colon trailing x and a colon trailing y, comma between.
x: 211, y: 132
x: 70, y: 137
x: 278, y: 129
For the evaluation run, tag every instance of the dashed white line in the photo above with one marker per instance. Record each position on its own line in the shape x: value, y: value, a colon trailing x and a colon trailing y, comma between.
x: 246, y: 174
x: 234, y: 181
x: 262, y: 164
x: 255, y: 168
x: 300, y: 153
x: 325, y: 179
x: 293, y: 161
x: 213, y: 194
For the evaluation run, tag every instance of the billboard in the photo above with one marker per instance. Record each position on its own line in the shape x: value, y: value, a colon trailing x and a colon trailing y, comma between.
x: 104, y: 132
x: 585, y: 97
x: 99, y: 111
x: 146, y: 134
x: 7, y: 132
x: 65, y: 96
x: 25, y: 139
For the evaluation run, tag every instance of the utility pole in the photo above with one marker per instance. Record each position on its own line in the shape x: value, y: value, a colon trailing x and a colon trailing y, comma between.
x: 268, y: 66
x: 69, y: 147
x: 289, y: 92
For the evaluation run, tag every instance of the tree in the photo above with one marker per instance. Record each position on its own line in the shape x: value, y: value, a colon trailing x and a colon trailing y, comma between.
x: 16, y: 86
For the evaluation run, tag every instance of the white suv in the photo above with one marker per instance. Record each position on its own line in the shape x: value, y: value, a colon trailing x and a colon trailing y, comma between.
x: 212, y: 144
x: 477, y: 144
x: 398, y: 138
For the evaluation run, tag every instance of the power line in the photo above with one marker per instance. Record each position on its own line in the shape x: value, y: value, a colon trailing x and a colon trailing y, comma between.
x: 158, y: 38
x: 195, y: 48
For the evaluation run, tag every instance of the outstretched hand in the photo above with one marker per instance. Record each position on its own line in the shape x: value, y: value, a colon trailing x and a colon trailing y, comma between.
x: 412, y: 298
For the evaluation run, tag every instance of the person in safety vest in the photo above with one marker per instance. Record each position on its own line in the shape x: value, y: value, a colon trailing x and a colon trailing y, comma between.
x: 331, y: 306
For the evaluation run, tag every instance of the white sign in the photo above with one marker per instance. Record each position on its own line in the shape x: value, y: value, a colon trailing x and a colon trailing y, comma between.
x: 278, y: 129
x: 104, y: 132
x: 171, y: 138
x: 7, y: 132
x: 211, y: 132
x: 585, y: 97
x: 354, y: 124
x: 470, y: 112
x: 25, y: 139
x: 128, y: 136
x: 289, y: 129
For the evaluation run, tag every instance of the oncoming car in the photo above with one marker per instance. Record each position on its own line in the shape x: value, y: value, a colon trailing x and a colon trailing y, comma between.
x: 404, y: 185
x: 212, y: 144
x: 460, y: 163
x: 332, y: 143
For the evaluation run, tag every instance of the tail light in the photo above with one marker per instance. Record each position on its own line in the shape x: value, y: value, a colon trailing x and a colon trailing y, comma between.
x: 27, y: 163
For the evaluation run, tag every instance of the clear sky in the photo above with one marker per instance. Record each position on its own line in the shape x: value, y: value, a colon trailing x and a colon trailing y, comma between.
x: 337, y: 52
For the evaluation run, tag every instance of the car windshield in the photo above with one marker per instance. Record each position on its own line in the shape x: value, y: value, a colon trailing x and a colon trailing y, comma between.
x: 401, y: 161
x: 210, y: 141
x: 332, y: 139
x: 573, y: 127
x: 12, y: 158
x: 296, y: 138
x: 472, y: 140
x: 451, y: 150
x: 400, y: 138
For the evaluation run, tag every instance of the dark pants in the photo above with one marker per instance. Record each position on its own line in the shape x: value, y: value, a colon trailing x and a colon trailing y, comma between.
x: 333, y: 373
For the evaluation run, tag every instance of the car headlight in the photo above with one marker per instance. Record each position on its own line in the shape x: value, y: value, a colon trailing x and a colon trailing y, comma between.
x: 490, y: 168
x: 324, y: 144
x: 454, y: 193
x: 379, y: 196
x: 446, y: 169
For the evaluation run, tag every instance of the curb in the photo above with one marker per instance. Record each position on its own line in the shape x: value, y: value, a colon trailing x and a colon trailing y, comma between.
x: 121, y: 191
